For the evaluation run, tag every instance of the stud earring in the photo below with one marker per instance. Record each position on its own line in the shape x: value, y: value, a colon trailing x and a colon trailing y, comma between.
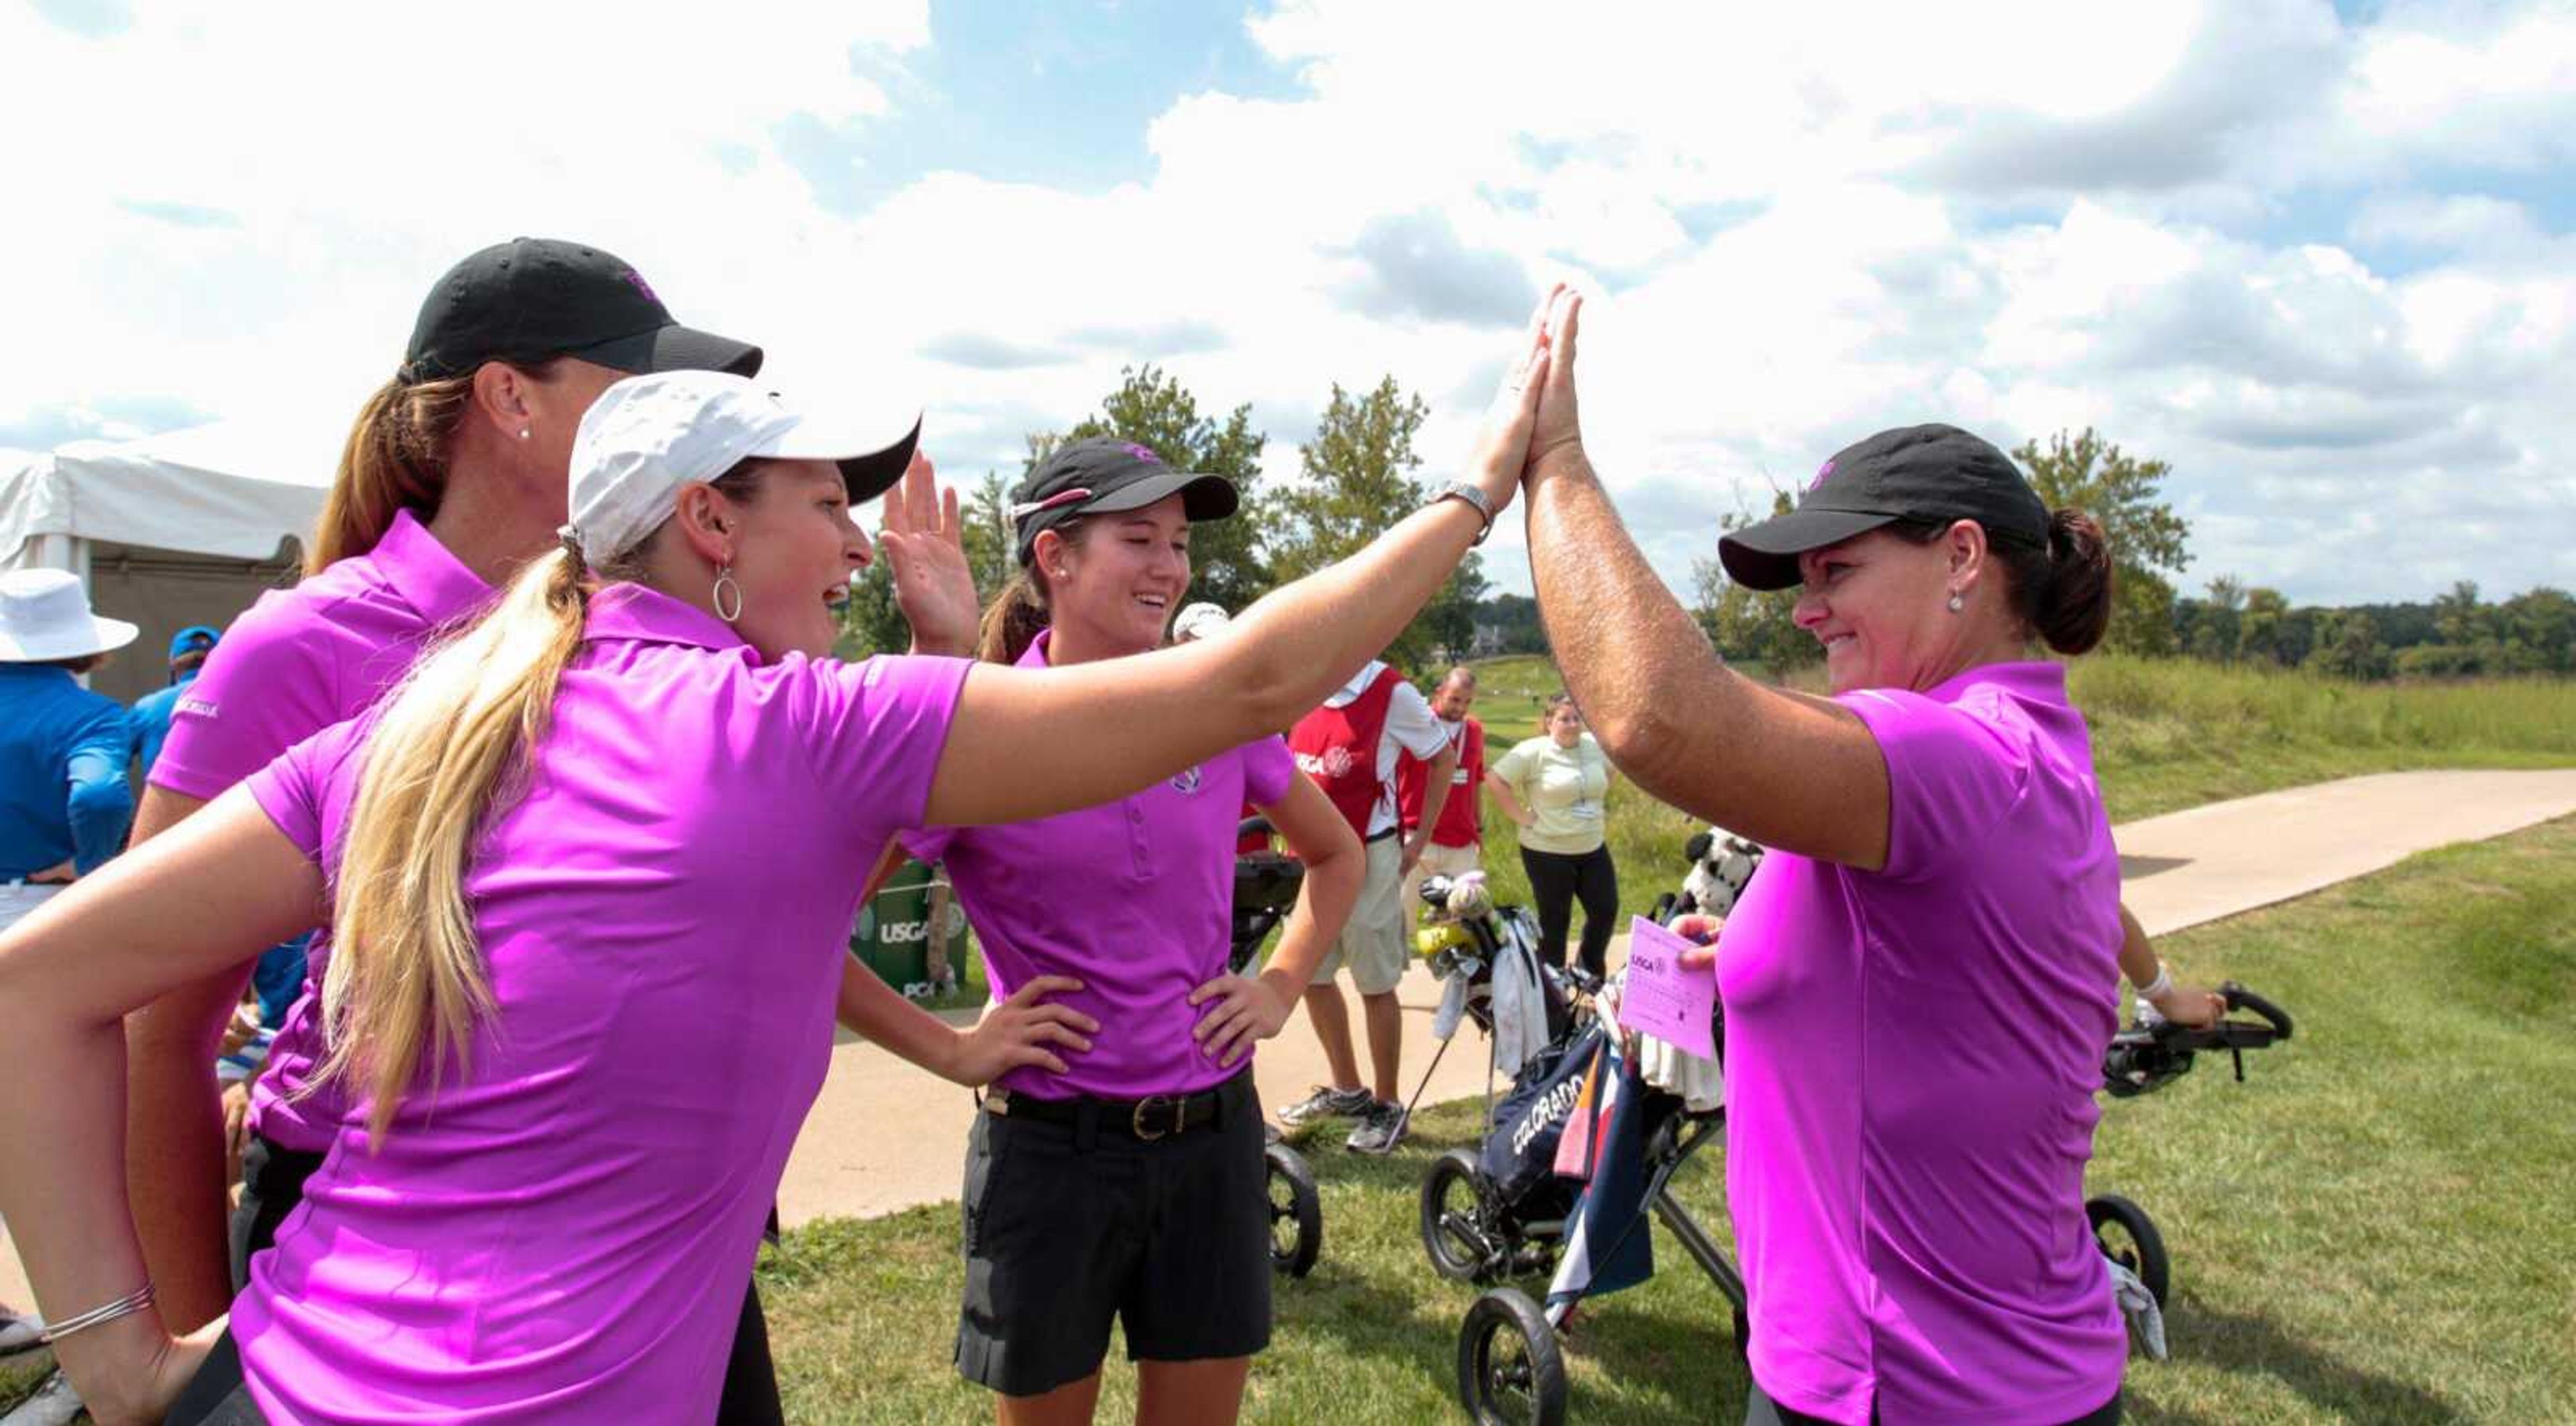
x: 1956, y: 603
x: 523, y: 433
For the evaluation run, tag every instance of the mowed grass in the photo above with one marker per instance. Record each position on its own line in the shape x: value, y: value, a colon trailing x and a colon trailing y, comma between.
x: 2375, y: 1227
x: 2167, y: 734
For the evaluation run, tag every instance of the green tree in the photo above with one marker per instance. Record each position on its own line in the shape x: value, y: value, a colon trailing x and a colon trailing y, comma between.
x: 1750, y: 625
x: 1448, y: 622
x: 2217, y: 622
x: 2348, y: 646
x: 989, y: 547
x: 2262, y: 630
x: 2458, y: 619
x: 1356, y: 479
x: 1153, y: 409
x: 2148, y: 540
x: 2543, y: 620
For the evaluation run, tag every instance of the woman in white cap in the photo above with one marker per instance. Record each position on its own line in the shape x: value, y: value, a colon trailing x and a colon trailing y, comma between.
x: 453, y: 476
x: 590, y: 874
x: 64, y: 803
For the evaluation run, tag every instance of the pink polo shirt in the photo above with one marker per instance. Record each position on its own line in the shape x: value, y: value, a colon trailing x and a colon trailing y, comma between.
x: 561, y: 1230
x: 1912, y: 1057
x: 1133, y: 897
x: 297, y: 662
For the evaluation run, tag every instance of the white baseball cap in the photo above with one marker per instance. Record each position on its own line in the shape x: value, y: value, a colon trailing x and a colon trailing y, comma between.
x: 647, y: 436
x: 45, y: 615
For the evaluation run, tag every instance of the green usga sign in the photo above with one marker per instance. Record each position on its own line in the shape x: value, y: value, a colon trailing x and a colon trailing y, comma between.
x: 895, y: 937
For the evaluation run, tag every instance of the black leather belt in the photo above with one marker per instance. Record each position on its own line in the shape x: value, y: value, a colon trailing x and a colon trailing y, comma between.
x: 1156, y: 1116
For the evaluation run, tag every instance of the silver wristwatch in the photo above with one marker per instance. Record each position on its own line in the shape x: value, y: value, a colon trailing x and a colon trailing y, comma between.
x: 1475, y: 498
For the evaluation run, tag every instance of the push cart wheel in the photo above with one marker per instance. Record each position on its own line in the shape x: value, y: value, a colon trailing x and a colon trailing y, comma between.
x: 1454, y: 1232
x: 1296, y: 1213
x: 1510, y: 1372
x: 2127, y: 1236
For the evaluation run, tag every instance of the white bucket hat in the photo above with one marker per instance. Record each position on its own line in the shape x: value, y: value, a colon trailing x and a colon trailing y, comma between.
x: 647, y: 436
x: 44, y: 616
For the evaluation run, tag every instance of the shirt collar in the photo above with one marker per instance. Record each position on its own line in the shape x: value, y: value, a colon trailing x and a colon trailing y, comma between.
x: 647, y: 616
x: 1035, y: 656
x: 35, y: 671
x: 2037, y: 680
x: 1359, y: 682
x: 428, y: 576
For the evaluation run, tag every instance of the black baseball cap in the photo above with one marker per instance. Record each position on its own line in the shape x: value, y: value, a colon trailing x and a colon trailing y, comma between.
x: 1928, y: 474
x: 534, y: 298
x: 1102, y: 475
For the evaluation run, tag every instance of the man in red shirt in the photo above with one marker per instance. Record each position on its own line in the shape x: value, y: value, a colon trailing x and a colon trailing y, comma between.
x: 1456, y: 843
x: 1350, y: 747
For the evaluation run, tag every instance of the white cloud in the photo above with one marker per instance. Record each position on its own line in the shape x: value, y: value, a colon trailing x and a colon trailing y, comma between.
x: 1788, y: 217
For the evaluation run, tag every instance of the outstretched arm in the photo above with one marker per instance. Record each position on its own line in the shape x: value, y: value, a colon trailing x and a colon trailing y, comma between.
x: 1787, y: 770
x: 1133, y: 720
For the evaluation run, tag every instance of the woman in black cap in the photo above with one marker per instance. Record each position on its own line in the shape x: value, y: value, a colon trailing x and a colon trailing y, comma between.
x: 1919, y: 982
x: 453, y: 475
x: 1128, y: 1185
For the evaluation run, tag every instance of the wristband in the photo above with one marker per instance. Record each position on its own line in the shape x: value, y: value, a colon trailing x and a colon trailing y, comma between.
x: 2160, y: 987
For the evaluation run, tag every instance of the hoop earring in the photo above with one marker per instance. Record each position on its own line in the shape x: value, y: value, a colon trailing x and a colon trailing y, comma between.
x: 1956, y: 603
x: 725, y: 581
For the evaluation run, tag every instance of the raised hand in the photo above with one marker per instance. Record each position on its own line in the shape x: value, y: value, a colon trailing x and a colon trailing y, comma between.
x: 1016, y: 1033
x: 1504, y: 448
x: 925, y: 551
x: 1557, y: 426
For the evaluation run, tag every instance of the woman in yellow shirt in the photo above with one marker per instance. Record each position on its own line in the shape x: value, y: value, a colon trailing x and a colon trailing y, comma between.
x: 1556, y: 787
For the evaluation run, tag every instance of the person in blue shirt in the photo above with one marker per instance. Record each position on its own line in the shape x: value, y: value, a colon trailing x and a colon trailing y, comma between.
x: 150, y: 715
x: 64, y: 801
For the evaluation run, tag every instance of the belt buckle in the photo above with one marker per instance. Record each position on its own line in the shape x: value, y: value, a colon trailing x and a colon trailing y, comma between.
x: 1136, y: 1121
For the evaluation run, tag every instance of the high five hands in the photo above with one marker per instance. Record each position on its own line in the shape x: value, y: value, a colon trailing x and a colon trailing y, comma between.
x: 1533, y: 417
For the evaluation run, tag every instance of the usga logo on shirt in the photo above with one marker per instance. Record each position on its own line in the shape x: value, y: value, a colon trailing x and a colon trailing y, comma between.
x: 1187, y: 782
x: 1334, y: 762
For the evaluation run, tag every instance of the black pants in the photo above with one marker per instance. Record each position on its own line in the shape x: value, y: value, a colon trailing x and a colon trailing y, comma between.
x: 273, y: 1183
x: 1556, y: 880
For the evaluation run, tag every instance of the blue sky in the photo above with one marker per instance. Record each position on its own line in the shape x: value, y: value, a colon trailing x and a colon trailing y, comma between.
x: 2317, y: 256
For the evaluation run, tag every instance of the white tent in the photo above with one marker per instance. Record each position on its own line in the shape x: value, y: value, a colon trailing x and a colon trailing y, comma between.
x: 187, y: 527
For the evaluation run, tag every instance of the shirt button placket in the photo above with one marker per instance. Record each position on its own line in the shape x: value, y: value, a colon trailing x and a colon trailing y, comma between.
x: 1140, y: 848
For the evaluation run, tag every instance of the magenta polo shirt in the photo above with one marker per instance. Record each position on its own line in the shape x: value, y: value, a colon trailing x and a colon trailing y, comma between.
x: 297, y: 662
x: 1911, y: 1062
x: 1134, y: 897
x: 561, y: 1231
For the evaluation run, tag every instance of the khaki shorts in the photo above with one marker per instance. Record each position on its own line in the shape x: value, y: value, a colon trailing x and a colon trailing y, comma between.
x: 1372, y: 943
x: 1437, y: 860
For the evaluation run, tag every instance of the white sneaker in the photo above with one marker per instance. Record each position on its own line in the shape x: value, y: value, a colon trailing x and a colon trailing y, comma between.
x: 18, y: 1333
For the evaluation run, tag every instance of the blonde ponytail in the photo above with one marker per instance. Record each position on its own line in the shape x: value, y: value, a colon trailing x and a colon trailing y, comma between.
x: 406, y: 973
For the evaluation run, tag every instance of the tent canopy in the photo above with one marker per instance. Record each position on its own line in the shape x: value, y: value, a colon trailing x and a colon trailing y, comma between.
x: 186, y: 527
x: 233, y: 490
